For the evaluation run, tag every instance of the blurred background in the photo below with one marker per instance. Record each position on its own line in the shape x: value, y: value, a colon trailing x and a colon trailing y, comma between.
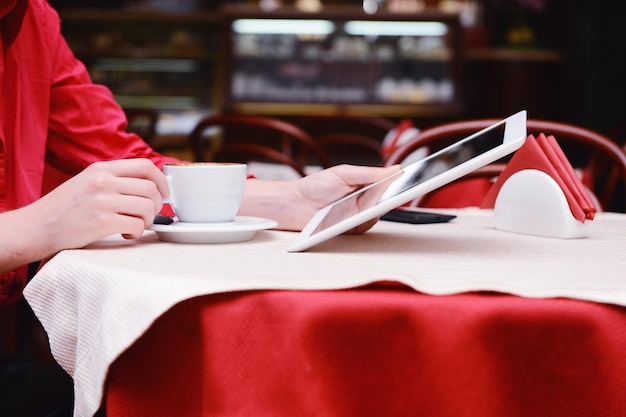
x: 429, y: 61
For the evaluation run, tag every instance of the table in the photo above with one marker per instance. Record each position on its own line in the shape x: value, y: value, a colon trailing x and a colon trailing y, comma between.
x: 520, y: 325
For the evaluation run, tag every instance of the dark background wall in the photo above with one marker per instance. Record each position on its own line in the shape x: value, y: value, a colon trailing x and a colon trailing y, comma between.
x: 600, y: 43
x: 589, y: 86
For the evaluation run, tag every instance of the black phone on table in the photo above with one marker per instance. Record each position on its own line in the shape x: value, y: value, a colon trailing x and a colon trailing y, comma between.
x: 416, y: 217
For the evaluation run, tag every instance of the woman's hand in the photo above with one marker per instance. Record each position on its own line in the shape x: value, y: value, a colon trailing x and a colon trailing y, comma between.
x: 106, y: 198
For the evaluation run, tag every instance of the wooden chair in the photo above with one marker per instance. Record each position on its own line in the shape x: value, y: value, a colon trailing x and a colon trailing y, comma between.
x: 142, y: 122
x: 348, y: 139
x: 618, y: 133
x: 245, y: 138
x: 600, y: 161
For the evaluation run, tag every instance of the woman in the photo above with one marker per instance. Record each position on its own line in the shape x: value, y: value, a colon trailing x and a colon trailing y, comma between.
x: 52, y: 114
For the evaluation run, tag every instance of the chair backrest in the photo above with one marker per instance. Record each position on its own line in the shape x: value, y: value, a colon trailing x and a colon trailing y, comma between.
x: 245, y: 138
x: 348, y: 139
x: 618, y: 133
x: 142, y: 122
x: 600, y: 160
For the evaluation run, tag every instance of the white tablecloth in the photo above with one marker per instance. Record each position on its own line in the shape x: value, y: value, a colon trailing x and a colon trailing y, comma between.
x: 95, y: 302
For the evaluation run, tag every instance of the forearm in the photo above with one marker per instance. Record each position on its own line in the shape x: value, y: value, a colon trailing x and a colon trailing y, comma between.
x: 276, y: 200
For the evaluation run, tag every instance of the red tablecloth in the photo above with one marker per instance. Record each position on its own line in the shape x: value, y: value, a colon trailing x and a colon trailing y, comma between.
x: 375, y: 351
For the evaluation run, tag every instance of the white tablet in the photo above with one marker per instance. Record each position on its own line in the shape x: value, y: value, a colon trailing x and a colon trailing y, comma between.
x: 414, y: 180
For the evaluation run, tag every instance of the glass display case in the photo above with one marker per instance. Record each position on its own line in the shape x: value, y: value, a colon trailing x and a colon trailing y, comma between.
x: 340, y: 60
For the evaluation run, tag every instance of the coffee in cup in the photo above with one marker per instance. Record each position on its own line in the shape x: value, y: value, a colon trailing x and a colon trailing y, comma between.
x: 205, y: 192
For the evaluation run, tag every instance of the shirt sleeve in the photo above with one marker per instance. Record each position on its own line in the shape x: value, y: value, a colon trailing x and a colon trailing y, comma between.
x: 86, y: 124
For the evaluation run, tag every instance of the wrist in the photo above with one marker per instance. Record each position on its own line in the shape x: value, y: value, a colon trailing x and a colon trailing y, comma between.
x: 21, y: 241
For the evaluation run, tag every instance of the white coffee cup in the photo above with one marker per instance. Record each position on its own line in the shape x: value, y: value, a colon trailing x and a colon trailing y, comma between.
x: 205, y: 192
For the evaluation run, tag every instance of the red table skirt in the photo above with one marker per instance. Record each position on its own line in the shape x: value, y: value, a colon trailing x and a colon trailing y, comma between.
x: 375, y: 351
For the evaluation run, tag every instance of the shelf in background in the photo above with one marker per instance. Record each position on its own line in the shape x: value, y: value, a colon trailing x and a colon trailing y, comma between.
x: 110, y: 16
x: 149, y: 59
x: 513, y: 54
x: 327, y: 109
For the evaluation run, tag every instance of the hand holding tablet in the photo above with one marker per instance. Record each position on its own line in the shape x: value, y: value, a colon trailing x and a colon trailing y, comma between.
x: 414, y: 180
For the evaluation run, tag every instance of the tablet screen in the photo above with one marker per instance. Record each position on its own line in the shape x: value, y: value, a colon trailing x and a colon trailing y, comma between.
x: 415, y: 180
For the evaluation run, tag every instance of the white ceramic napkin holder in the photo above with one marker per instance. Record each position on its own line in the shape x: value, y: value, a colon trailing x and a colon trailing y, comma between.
x: 531, y: 202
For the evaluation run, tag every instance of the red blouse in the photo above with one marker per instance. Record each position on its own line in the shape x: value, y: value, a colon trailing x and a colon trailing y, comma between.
x: 50, y: 113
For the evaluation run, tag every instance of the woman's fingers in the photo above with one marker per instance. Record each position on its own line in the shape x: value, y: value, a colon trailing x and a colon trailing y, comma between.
x: 137, y: 169
x: 137, y: 190
x: 116, y: 196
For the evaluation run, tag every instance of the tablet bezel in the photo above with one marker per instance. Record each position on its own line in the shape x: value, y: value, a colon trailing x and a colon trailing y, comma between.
x: 514, y: 138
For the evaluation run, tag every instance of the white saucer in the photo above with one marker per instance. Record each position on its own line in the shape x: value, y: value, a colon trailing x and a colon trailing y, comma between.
x: 240, y: 229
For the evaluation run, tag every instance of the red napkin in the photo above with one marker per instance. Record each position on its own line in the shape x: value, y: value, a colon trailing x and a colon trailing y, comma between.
x: 545, y: 154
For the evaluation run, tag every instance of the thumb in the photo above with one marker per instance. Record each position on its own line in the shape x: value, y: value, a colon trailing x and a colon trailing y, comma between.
x: 364, y: 175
